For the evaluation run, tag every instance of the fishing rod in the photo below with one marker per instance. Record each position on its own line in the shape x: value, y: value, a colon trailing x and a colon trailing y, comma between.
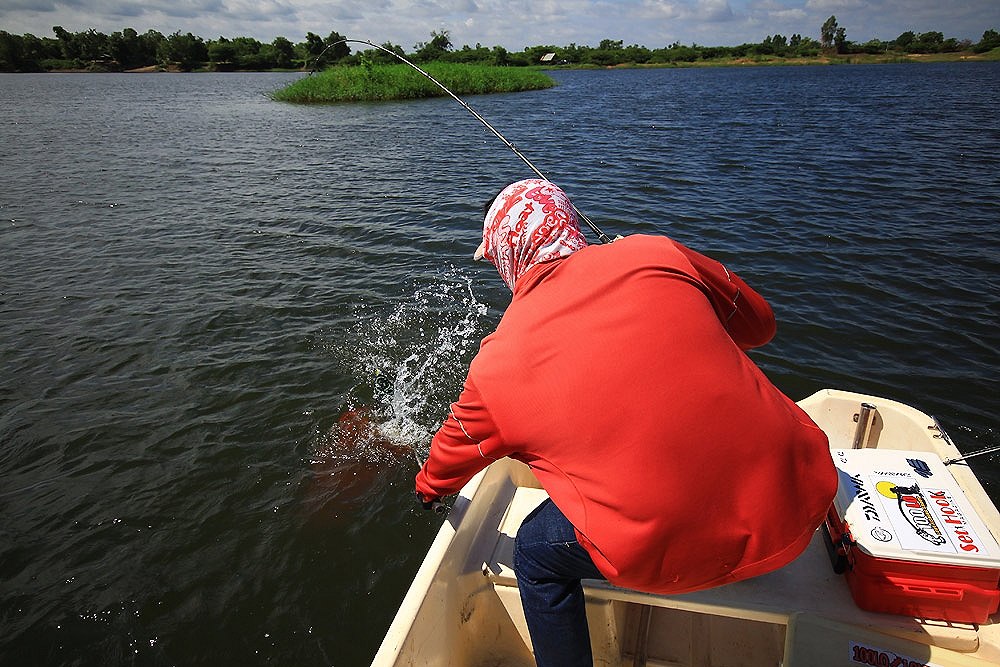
x: 956, y: 459
x: 604, y: 238
x: 988, y: 450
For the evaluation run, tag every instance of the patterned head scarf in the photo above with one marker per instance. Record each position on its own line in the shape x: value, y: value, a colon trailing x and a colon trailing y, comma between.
x: 530, y: 221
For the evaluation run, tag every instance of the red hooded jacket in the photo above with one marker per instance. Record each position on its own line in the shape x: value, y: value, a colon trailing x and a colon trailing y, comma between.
x: 619, y: 375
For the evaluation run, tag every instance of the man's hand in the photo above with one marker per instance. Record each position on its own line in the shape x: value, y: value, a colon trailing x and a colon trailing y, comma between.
x: 434, y: 504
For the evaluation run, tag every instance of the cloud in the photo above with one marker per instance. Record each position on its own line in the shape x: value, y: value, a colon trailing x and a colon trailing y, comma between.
x: 513, y: 24
x: 714, y: 11
x: 661, y: 9
x: 27, y: 5
x: 835, y: 5
x: 784, y: 15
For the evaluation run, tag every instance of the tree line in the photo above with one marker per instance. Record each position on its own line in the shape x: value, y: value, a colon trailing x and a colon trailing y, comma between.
x: 127, y: 49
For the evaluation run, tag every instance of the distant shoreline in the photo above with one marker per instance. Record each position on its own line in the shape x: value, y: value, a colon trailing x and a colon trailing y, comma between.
x: 753, y: 61
x: 849, y: 59
x: 823, y: 59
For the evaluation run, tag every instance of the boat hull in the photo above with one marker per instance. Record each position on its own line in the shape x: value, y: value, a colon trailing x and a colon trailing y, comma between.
x: 463, y: 607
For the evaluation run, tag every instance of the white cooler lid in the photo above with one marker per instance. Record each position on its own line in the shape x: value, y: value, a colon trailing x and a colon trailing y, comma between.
x: 906, y: 505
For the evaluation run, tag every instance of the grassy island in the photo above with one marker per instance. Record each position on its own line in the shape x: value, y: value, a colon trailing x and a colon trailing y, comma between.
x: 375, y: 83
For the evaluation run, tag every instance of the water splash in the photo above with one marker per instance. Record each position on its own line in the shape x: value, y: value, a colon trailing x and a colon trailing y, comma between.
x: 409, y: 363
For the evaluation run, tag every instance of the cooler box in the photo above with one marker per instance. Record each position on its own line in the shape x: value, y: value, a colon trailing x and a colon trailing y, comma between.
x: 912, y: 542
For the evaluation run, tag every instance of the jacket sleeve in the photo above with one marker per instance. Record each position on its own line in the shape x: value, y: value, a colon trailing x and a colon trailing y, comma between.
x: 746, y: 315
x: 465, y: 444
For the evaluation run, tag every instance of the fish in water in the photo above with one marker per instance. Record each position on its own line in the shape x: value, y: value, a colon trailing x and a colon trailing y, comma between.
x: 356, y: 433
x: 352, y: 464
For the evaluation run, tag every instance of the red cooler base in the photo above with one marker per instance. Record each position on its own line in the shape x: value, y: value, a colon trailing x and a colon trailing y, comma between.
x: 922, y: 590
x: 936, y: 592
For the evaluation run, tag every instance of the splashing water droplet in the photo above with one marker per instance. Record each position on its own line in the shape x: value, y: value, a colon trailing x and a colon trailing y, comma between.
x: 413, y: 359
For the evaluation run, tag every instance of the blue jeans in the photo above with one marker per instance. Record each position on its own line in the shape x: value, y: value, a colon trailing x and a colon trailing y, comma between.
x: 549, y: 564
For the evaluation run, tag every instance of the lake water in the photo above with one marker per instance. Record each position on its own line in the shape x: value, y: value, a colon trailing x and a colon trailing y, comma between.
x: 197, y: 281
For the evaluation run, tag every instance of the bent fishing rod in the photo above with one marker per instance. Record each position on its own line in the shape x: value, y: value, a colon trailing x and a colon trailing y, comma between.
x: 604, y: 238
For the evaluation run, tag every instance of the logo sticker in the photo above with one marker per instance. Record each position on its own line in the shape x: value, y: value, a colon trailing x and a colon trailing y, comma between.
x: 914, y: 510
x: 881, y: 534
x: 921, y: 468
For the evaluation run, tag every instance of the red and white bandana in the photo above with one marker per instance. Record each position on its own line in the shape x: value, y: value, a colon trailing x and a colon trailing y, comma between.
x: 530, y: 221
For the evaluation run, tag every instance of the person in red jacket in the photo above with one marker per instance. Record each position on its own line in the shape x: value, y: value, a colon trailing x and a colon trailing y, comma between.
x: 619, y: 374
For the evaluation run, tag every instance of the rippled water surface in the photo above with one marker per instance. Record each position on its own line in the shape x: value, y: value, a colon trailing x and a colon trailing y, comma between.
x: 197, y: 282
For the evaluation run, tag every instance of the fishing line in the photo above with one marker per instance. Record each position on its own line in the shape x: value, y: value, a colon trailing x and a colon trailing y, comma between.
x: 604, y: 238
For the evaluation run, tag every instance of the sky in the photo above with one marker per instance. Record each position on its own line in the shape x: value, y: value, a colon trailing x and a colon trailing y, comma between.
x: 513, y: 24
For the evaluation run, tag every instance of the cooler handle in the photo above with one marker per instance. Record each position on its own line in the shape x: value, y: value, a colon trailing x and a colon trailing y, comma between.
x: 921, y: 590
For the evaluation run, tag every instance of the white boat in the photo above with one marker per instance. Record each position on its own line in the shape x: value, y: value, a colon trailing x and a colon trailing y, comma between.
x: 463, y: 608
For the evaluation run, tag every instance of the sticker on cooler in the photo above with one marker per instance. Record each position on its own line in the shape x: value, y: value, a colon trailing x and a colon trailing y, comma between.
x: 925, y: 519
x: 906, y: 503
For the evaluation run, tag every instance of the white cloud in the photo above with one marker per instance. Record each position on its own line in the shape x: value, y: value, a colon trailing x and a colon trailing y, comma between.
x: 513, y: 24
x: 663, y: 9
x: 713, y: 10
x: 835, y: 5
x: 788, y: 14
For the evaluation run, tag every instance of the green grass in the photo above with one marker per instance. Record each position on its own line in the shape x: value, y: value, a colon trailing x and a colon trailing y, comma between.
x: 991, y: 55
x: 824, y: 59
x: 401, y: 82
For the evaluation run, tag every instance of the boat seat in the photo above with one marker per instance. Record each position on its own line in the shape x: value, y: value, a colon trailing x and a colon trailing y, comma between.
x: 807, y: 585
